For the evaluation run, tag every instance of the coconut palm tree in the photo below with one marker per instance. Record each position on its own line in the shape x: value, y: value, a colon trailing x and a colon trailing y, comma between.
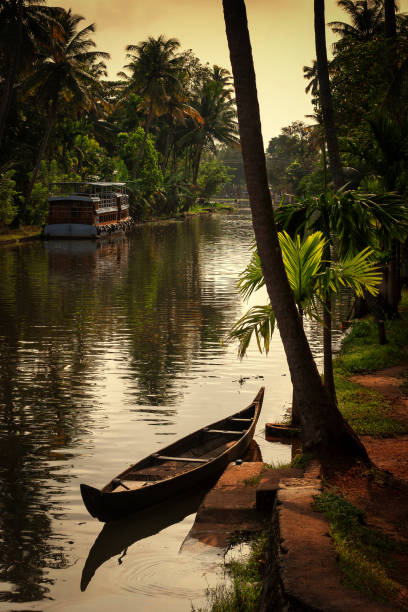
x: 64, y: 73
x: 214, y: 104
x: 311, y: 278
x: 326, y: 105
x: 367, y: 21
x: 24, y: 25
x: 181, y: 112
x: 310, y: 74
x: 323, y: 428
x: 156, y: 76
x: 222, y: 75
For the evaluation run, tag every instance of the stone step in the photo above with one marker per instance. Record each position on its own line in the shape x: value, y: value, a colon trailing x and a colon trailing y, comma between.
x: 269, y: 484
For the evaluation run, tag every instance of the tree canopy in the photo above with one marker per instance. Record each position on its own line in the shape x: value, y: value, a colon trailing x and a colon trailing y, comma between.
x: 160, y: 124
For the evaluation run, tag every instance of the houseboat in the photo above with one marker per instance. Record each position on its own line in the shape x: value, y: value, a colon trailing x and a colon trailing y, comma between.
x: 87, y: 210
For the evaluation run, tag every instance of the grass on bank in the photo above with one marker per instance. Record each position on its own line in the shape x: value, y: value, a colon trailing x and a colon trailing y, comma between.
x: 367, y: 411
x: 242, y: 586
x: 22, y: 233
x: 365, y: 555
x: 300, y: 461
x: 361, y: 352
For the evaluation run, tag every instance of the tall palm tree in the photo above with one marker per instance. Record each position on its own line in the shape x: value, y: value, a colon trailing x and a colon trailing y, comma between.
x: 64, y: 73
x: 222, y: 75
x: 326, y: 105
x: 390, y: 21
x: 179, y: 111
x: 213, y: 103
x: 367, y: 21
x: 323, y: 428
x: 24, y: 24
x: 310, y: 74
x: 155, y: 75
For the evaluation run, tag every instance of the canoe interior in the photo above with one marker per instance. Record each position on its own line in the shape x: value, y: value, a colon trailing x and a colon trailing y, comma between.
x: 191, y: 461
x: 203, y: 445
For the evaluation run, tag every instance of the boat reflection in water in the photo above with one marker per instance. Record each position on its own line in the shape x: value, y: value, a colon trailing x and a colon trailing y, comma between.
x: 64, y: 255
x: 116, y: 537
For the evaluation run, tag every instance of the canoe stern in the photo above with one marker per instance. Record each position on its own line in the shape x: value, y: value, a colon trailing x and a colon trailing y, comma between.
x: 92, y: 500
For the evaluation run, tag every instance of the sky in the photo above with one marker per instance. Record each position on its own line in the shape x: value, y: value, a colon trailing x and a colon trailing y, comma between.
x: 281, y: 33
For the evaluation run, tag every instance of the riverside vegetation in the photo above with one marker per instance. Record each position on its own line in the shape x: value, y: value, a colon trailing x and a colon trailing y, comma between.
x: 157, y: 126
x: 366, y: 554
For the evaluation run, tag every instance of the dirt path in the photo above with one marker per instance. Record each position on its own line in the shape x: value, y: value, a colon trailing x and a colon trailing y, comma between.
x: 383, y: 493
x: 389, y: 454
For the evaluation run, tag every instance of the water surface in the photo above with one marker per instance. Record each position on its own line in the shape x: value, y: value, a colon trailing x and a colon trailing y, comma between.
x: 109, y: 351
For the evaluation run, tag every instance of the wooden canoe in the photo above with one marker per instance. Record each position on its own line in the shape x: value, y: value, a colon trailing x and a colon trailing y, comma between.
x: 193, y: 460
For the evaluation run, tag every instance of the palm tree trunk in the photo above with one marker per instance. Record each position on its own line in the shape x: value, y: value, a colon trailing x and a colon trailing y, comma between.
x: 139, y: 157
x: 169, y: 140
x: 327, y: 349
x: 394, y: 291
x: 52, y: 115
x: 295, y: 417
x: 7, y: 93
x: 174, y: 163
x: 390, y: 22
x: 196, y: 166
x: 327, y: 330
x: 323, y: 429
x: 324, y: 166
x: 5, y: 100
x: 325, y: 95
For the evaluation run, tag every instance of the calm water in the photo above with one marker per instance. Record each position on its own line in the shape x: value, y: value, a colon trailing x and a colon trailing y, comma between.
x: 107, y: 353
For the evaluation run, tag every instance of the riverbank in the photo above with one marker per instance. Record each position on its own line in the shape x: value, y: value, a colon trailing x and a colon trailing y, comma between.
x: 13, y: 237
x: 22, y: 234
x: 363, y: 510
x: 367, y: 508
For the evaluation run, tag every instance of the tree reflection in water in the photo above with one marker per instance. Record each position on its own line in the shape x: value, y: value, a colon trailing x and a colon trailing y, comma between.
x: 63, y: 309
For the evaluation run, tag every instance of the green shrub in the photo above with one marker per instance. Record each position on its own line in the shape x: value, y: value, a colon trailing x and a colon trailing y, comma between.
x: 7, y: 192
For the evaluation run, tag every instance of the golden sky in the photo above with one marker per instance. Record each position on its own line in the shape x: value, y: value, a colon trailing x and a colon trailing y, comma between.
x: 281, y: 34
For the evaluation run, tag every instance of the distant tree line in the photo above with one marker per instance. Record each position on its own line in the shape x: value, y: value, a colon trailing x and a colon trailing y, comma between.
x: 158, y: 127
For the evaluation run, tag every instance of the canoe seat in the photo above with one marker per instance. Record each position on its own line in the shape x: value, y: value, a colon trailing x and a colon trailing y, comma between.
x: 131, y: 485
x: 142, y: 476
x: 191, y: 459
x: 226, y: 431
x: 236, y: 420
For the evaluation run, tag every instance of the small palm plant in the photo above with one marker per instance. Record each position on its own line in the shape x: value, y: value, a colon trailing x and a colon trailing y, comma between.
x: 311, y: 279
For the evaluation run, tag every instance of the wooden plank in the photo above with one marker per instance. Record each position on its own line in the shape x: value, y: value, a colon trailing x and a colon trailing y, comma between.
x: 192, y: 459
x: 226, y: 431
x: 236, y: 420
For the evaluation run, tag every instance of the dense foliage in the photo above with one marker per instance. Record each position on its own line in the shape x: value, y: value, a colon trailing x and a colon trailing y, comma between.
x: 159, y: 126
x: 368, y: 78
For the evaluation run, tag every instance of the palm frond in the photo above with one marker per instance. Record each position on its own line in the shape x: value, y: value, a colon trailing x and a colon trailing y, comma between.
x: 358, y: 272
x: 258, y: 321
x: 251, y: 279
x: 302, y: 260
